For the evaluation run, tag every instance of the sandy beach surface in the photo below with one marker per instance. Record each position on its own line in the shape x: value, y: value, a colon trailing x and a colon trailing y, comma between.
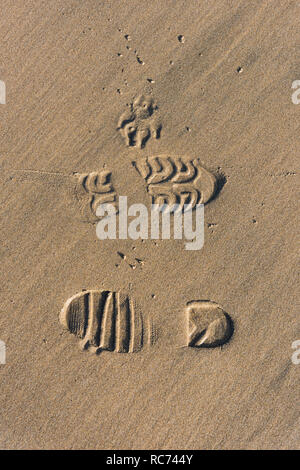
x: 220, y: 76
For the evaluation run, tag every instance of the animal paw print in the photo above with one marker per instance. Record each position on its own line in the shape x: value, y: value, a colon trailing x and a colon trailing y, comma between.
x: 93, y: 189
x: 140, y: 122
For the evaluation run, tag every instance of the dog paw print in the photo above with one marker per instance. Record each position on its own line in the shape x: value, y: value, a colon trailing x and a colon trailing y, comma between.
x: 140, y: 122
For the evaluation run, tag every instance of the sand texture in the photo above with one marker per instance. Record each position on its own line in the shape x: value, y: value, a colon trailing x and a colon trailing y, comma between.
x: 142, y: 344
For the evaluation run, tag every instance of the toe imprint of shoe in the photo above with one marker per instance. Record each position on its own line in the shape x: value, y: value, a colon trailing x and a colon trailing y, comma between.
x: 104, y: 320
x: 207, y: 324
x: 176, y: 180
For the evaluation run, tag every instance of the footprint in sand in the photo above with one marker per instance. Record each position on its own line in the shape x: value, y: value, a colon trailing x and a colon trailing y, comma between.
x: 140, y: 122
x: 208, y: 325
x: 93, y: 189
x: 176, y: 180
x: 104, y: 320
